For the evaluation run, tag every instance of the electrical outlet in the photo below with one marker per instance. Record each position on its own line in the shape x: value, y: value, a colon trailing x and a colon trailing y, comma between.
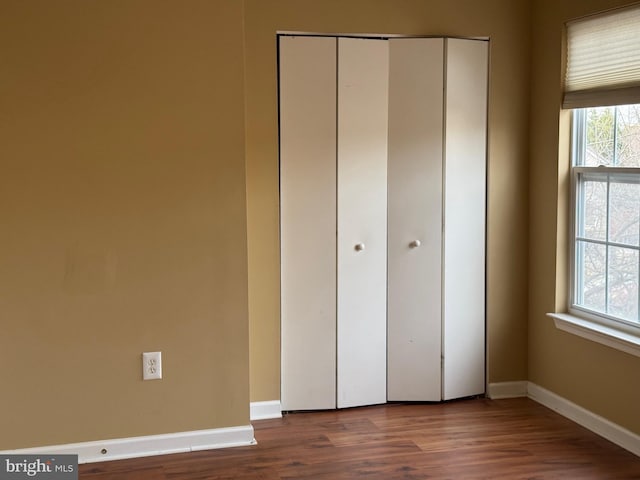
x: 152, y: 365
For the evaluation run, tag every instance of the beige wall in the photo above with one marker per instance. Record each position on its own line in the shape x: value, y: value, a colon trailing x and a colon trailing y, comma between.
x: 596, y: 377
x: 123, y: 221
x: 122, y: 218
x: 508, y: 24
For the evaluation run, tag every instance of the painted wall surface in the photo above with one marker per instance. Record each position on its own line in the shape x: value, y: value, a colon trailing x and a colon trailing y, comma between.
x: 596, y: 377
x: 122, y: 218
x: 507, y: 23
x: 124, y: 228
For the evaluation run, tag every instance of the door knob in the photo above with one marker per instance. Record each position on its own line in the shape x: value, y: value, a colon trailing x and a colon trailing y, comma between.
x: 415, y: 244
x: 359, y: 247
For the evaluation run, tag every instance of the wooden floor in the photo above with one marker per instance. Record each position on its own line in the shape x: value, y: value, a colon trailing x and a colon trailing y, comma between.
x: 470, y: 439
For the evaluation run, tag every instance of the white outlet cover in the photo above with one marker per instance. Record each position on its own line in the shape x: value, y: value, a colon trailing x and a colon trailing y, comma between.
x: 152, y: 365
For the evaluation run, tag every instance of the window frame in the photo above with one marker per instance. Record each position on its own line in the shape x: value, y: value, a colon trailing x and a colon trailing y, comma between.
x: 578, y: 143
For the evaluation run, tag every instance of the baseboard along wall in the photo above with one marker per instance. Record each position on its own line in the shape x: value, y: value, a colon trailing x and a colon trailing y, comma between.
x: 144, y: 446
x: 133, y: 447
x: 265, y: 410
x: 605, y: 428
x: 507, y: 390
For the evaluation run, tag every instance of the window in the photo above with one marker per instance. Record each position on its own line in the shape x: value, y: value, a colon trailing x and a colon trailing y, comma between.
x: 602, y: 88
x: 606, y: 202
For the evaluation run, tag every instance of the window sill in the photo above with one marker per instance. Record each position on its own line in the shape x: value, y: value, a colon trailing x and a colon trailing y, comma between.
x: 625, y: 342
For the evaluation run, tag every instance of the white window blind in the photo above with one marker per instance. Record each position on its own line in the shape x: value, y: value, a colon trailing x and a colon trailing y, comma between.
x: 603, y: 59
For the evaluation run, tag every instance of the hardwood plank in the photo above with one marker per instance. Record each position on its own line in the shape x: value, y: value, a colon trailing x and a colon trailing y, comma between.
x: 470, y: 439
x: 99, y: 472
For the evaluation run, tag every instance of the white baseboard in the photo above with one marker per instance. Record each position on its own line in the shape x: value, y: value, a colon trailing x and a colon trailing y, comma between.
x: 597, y: 424
x: 265, y: 410
x: 507, y: 390
x: 132, y: 447
x: 117, y: 449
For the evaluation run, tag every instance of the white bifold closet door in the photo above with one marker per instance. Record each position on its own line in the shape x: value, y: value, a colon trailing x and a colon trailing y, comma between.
x: 463, y: 346
x: 363, y: 85
x: 383, y: 186
x: 437, y: 177
x: 308, y: 221
x: 415, y: 218
x: 333, y: 151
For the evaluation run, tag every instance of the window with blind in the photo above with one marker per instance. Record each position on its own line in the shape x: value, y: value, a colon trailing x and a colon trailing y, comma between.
x: 603, y: 60
x: 602, y: 87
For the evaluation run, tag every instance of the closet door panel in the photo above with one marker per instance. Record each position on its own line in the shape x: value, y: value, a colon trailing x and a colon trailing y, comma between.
x: 415, y: 218
x: 465, y: 194
x: 362, y: 198
x: 308, y: 221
